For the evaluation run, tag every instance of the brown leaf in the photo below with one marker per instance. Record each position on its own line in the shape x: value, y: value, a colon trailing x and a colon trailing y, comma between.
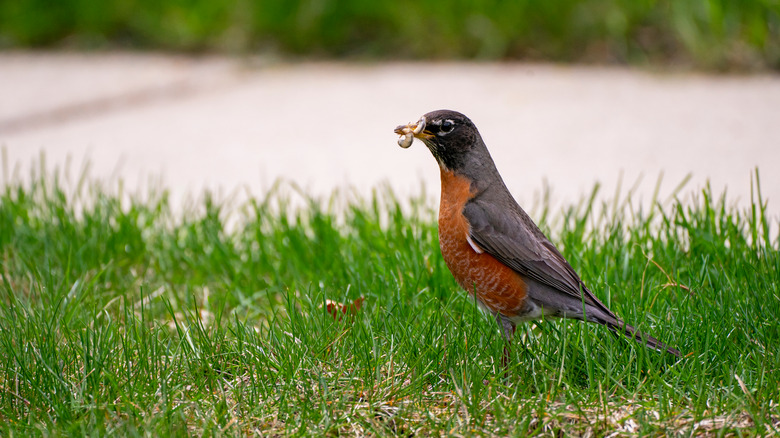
x: 338, y: 310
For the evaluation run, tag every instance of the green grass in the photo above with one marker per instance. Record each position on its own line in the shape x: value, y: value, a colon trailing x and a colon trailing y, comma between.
x: 119, y: 315
x: 713, y: 34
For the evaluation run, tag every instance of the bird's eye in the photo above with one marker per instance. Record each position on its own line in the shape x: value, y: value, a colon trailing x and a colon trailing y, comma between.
x: 447, y: 126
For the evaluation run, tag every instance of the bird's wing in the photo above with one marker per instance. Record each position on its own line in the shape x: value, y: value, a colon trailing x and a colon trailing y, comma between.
x: 517, y: 242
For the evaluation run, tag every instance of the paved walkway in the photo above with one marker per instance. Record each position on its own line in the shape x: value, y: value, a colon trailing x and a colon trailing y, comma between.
x: 225, y: 123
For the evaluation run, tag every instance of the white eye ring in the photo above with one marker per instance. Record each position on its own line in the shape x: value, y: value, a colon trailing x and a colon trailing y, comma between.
x: 446, y: 127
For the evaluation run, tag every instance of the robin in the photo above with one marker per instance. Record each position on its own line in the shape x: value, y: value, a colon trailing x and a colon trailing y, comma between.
x: 492, y: 247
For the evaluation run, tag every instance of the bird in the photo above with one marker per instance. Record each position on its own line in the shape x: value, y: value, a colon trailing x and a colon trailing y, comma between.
x: 492, y: 247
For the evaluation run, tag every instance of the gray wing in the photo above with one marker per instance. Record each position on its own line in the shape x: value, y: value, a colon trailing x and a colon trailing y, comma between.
x: 517, y: 242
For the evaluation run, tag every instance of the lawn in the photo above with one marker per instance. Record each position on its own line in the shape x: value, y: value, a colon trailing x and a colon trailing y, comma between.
x: 122, y: 314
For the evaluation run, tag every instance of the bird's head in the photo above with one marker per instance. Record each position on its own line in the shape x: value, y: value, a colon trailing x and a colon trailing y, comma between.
x: 452, y: 138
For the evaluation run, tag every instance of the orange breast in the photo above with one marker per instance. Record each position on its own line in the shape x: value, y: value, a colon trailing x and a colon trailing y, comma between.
x: 497, y: 286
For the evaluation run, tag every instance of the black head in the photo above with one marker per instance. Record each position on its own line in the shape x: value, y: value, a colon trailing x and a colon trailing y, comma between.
x: 456, y: 144
x: 453, y: 139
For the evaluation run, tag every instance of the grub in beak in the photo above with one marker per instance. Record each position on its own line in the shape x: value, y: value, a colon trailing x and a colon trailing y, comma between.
x: 408, y: 132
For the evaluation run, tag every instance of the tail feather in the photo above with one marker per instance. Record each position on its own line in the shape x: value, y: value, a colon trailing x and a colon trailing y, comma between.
x: 597, y: 312
x: 620, y: 327
x: 588, y: 308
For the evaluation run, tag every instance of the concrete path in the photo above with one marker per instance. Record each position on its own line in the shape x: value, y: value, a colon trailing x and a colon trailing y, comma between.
x: 226, y: 124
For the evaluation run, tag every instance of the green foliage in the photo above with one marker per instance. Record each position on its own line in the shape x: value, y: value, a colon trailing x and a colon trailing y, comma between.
x: 705, y: 33
x: 120, y: 315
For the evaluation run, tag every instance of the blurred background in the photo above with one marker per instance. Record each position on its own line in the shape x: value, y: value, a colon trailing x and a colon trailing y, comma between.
x: 235, y: 94
x: 714, y: 34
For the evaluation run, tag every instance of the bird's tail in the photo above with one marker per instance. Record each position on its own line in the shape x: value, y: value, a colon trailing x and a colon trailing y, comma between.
x: 620, y: 327
x: 589, y: 308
